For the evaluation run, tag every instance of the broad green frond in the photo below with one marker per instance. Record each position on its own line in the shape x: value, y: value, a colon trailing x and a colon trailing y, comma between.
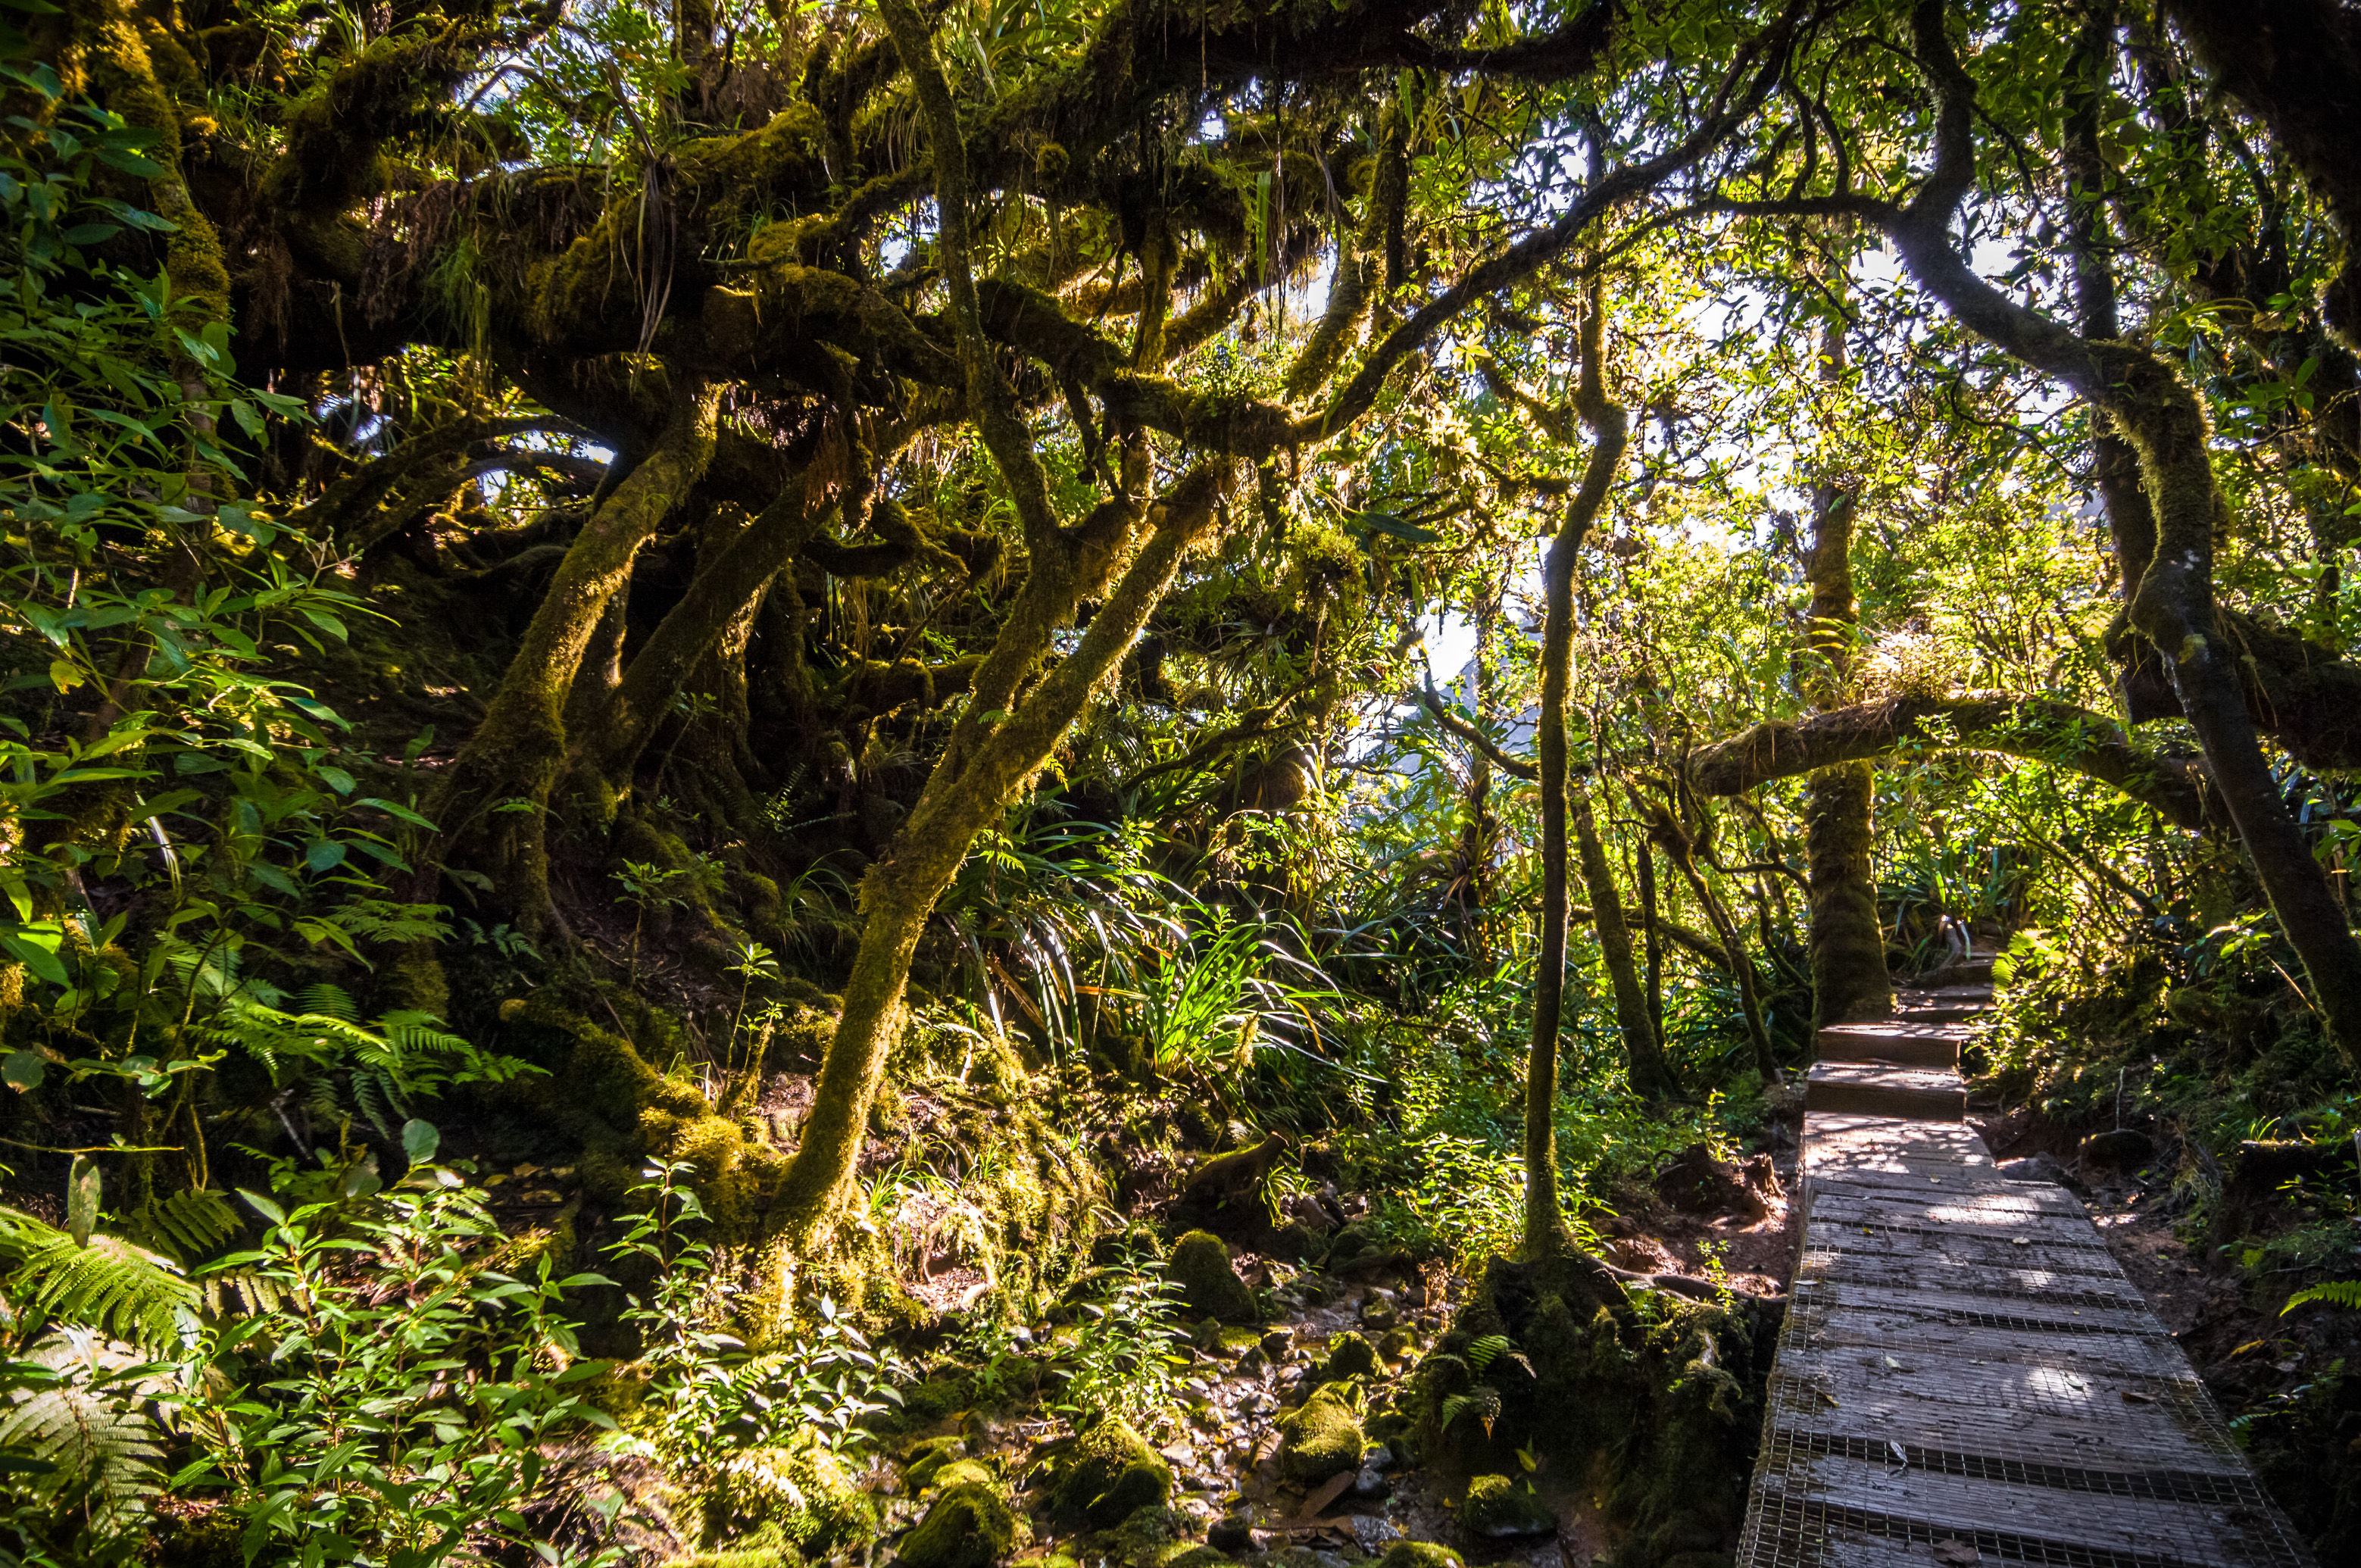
x: 87, y: 1411
x: 185, y: 1227
x: 2346, y: 1293
x: 111, y: 1284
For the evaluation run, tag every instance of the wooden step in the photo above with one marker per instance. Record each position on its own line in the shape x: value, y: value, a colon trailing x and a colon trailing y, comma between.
x: 1909, y: 1042
x: 1880, y: 1089
x: 1947, y: 1005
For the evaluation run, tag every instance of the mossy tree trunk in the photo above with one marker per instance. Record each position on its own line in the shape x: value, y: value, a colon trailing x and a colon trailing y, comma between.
x: 968, y: 790
x: 1846, y: 942
x: 2173, y: 607
x: 724, y: 590
x: 1001, y: 740
x: 490, y: 810
x: 1546, y: 1234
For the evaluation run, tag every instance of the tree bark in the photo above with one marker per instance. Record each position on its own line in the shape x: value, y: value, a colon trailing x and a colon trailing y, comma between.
x: 1644, y: 1066
x: 1546, y: 1234
x: 2039, y: 729
x: 517, y: 752
x: 963, y: 795
x: 1845, y: 941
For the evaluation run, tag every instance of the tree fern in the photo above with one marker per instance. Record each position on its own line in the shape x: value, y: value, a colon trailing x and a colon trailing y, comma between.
x: 109, y: 1283
x: 2346, y: 1293
x: 81, y: 1405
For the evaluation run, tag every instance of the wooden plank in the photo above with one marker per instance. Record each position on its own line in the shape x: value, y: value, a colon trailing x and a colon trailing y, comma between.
x: 1992, y: 1196
x: 1966, y: 1214
x: 1869, y: 1351
x: 2224, y: 1536
x: 1875, y: 1090
x: 2082, y: 1312
x: 1990, y: 1249
x: 1918, y: 1042
x: 2012, y: 1438
x: 1938, y: 1412
x: 1833, y: 1141
x: 1936, y: 1274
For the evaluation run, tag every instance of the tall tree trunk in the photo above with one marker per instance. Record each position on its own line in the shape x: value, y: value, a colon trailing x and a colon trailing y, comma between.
x: 967, y: 792
x: 489, y: 811
x: 1644, y: 1065
x: 1546, y: 1235
x: 1609, y: 424
x: 2173, y: 607
x: 1846, y: 943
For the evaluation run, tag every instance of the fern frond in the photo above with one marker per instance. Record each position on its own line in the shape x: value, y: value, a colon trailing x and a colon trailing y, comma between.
x: 2346, y: 1293
x: 90, y: 1420
x: 111, y: 1284
x: 373, y: 1096
x: 185, y: 1226
x: 331, y: 1000
x: 241, y: 1291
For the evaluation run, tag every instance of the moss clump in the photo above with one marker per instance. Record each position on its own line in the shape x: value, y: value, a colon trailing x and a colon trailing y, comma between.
x: 1109, y: 1474
x: 1321, y: 1440
x: 1209, y: 1284
x: 802, y: 1493
x: 961, y: 1473
x: 969, y: 1527
x: 1497, y: 1508
x: 1349, y: 1356
x: 925, y: 1459
x: 1657, y: 1398
x: 1418, y: 1554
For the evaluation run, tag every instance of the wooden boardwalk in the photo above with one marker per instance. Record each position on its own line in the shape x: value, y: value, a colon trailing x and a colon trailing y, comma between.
x: 1965, y: 1376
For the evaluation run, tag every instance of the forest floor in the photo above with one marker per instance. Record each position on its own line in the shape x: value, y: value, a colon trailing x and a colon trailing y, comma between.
x: 1733, y: 1229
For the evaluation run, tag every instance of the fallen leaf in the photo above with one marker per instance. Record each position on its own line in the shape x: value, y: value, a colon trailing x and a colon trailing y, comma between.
x: 2022, y: 1241
x: 2135, y: 1397
x: 1956, y: 1553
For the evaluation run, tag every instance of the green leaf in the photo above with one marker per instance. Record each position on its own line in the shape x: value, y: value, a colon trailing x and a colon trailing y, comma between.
x: 23, y: 1071
x: 81, y: 1199
x: 37, y: 950
x: 420, y: 1140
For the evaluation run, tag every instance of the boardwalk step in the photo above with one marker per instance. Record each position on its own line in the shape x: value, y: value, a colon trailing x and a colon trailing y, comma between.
x: 1964, y: 1374
x: 1877, y: 1088
x: 1911, y: 1042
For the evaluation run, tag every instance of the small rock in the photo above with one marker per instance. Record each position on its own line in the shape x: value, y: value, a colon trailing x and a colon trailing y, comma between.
x: 1252, y: 1361
x: 1207, y: 1335
x: 1371, y: 1483
x: 2120, y: 1149
x: 1395, y: 1344
x: 1377, y: 1314
x: 1278, y: 1343
x: 1500, y: 1510
x: 1235, y: 1533
x: 1371, y: 1532
x: 1378, y: 1457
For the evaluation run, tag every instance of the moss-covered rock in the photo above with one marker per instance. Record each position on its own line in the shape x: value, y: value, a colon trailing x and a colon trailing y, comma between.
x: 1209, y: 1284
x: 1418, y: 1554
x: 1349, y: 1356
x: 1655, y: 1398
x: 962, y: 1473
x: 1321, y: 1439
x: 922, y: 1460
x: 1109, y: 1474
x: 1497, y: 1508
x: 968, y: 1527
